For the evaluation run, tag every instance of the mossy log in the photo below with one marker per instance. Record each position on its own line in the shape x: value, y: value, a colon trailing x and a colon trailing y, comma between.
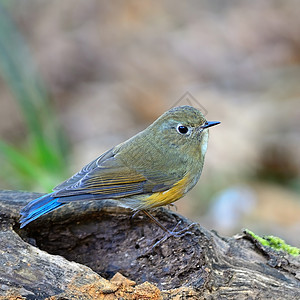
x: 95, y: 250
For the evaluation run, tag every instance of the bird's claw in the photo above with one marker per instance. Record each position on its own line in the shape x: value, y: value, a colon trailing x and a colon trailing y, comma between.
x: 174, y: 233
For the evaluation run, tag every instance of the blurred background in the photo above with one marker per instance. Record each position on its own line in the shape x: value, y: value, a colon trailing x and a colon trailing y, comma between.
x: 78, y: 77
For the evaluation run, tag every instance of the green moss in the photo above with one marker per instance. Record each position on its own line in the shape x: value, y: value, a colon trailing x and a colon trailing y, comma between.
x: 275, y: 243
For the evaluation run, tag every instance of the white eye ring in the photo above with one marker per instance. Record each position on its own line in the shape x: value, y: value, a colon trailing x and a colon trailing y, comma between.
x: 182, y: 129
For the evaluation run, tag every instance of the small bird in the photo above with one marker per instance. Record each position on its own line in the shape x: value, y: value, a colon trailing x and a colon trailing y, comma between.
x: 155, y: 167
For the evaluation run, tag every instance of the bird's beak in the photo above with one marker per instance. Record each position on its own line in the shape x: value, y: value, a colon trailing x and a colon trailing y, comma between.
x: 209, y: 124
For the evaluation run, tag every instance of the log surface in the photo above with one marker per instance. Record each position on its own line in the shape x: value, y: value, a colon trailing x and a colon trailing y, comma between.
x: 93, y: 250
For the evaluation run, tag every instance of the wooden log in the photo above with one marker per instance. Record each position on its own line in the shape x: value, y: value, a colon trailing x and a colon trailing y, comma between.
x: 90, y: 250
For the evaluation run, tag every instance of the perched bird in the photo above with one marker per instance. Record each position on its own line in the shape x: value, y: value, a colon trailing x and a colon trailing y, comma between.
x: 153, y: 168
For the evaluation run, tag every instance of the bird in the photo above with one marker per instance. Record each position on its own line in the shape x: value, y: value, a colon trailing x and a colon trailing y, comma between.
x: 154, y: 168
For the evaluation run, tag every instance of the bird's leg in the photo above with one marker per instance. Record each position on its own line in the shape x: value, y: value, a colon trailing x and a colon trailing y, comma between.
x: 135, y: 213
x: 169, y: 233
x: 155, y: 221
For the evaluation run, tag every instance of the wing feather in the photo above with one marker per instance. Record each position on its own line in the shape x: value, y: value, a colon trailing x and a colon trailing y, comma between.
x: 107, y: 177
x: 85, y: 170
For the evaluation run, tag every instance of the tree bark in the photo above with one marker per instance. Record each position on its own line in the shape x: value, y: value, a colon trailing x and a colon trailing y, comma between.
x: 96, y: 250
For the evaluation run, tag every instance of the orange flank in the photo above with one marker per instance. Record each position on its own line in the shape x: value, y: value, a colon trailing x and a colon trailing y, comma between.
x: 170, y: 195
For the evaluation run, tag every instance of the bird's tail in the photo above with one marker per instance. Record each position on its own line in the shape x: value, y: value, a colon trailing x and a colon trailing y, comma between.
x: 38, y: 207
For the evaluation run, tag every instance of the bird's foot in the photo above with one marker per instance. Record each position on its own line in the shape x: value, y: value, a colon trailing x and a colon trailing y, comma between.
x: 172, y: 205
x: 174, y: 233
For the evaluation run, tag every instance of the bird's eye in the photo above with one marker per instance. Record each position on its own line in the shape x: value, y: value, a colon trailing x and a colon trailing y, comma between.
x: 182, y: 129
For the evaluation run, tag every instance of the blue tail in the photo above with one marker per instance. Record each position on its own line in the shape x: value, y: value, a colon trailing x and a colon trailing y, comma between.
x: 38, y: 207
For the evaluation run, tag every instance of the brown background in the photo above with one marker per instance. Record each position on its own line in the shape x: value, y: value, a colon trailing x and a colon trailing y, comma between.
x: 112, y: 67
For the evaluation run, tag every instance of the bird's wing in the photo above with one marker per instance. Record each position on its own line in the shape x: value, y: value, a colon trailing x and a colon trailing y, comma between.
x: 108, y: 177
x: 85, y: 170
